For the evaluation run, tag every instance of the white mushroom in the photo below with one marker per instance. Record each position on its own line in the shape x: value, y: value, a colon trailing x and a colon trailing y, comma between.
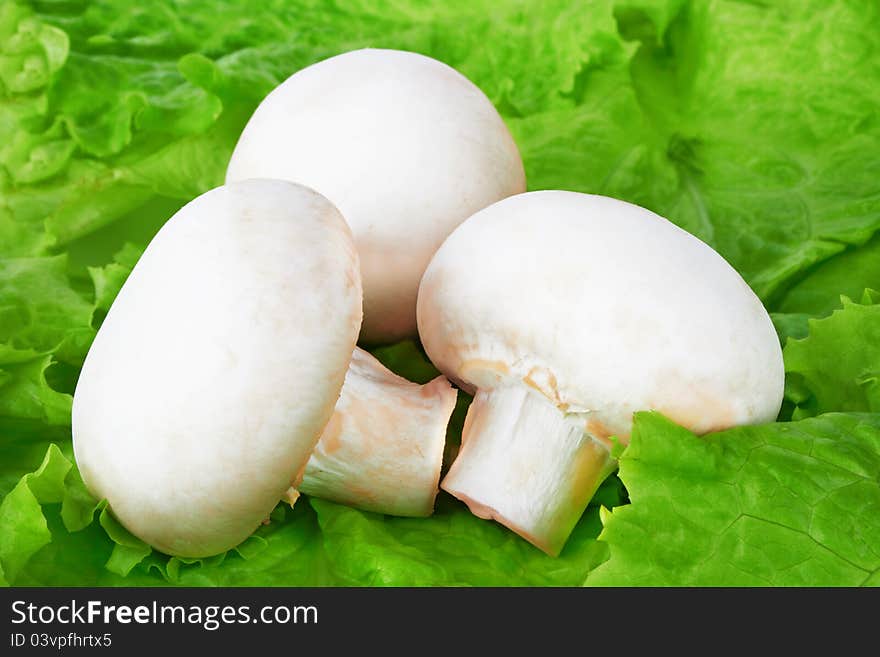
x: 383, y: 448
x: 247, y: 299
x: 566, y: 313
x: 405, y: 146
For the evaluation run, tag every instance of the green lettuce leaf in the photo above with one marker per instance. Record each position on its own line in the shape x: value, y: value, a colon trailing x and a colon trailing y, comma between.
x: 45, y: 331
x: 112, y: 115
x: 311, y: 545
x: 453, y: 548
x: 23, y: 528
x: 39, y: 310
x: 786, y: 504
x: 108, y: 280
x: 48, y: 537
x: 693, y: 109
x: 837, y: 366
x: 847, y: 274
x: 708, y: 127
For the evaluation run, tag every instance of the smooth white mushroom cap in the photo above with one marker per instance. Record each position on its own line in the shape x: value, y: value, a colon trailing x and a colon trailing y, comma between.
x: 604, y: 307
x: 405, y: 146
x: 218, y: 365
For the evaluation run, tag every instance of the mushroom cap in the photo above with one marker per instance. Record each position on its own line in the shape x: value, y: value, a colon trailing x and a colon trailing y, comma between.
x: 604, y: 307
x: 247, y: 298
x: 405, y: 146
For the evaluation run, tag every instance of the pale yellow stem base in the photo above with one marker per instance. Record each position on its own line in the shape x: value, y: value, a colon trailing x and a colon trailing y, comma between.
x: 528, y: 465
x: 383, y: 448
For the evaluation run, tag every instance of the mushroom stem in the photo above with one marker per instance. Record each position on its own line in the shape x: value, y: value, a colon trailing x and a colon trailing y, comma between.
x: 383, y: 448
x: 527, y: 464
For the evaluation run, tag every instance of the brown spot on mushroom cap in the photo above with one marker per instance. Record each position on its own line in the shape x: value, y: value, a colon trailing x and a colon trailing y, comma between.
x: 597, y: 429
x: 550, y: 387
x: 602, y: 433
x: 479, y: 369
x: 696, y: 407
x: 495, y: 366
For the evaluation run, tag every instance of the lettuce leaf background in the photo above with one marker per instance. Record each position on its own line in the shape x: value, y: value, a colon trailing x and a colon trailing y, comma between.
x: 787, y: 504
x: 752, y: 125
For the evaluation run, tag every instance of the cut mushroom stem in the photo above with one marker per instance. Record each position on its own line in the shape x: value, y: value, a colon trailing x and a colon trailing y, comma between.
x: 528, y: 465
x: 383, y: 448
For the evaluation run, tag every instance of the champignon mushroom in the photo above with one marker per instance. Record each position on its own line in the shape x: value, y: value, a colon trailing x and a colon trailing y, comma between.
x: 247, y: 298
x: 383, y: 448
x: 405, y: 146
x: 566, y: 313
